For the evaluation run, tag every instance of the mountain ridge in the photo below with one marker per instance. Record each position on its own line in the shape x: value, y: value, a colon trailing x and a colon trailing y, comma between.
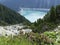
x: 8, y: 16
x: 14, y: 4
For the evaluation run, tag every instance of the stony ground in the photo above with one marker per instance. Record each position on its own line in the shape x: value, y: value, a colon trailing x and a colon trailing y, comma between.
x: 13, y: 30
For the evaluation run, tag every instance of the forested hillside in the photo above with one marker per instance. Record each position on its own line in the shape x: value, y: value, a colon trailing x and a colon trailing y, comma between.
x: 8, y: 16
x: 50, y: 21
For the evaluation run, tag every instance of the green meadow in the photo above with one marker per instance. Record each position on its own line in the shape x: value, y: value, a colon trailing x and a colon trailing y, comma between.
x: 15, y: 41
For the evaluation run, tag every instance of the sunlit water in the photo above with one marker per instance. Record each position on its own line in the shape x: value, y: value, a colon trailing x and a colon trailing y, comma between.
x: 33, y: 15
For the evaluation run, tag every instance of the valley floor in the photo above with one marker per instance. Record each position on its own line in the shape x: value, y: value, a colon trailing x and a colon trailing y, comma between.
x: 30, y: 38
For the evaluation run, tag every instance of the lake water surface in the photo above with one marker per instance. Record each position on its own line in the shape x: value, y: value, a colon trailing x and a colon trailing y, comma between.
x: 33, y: 15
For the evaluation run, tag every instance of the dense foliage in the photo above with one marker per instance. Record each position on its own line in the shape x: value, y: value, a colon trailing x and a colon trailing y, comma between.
x: 8, y: 16
x: 49, y: 21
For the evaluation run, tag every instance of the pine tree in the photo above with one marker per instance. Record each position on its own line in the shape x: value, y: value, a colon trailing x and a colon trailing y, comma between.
x: 52, y: 14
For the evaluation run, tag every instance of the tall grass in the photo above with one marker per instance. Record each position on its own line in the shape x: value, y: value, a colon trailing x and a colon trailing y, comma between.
x: 20, y: 40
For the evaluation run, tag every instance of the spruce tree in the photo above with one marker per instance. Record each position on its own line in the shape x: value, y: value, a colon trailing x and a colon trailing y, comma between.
x: 52, y: 14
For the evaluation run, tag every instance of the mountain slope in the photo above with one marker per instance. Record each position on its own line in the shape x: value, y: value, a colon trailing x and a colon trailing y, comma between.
x: 49, y: 22
x: 8, y: 16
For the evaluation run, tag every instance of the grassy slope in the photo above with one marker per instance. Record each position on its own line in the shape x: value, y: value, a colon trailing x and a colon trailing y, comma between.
x: 54, y: 36
x: 14, y: 41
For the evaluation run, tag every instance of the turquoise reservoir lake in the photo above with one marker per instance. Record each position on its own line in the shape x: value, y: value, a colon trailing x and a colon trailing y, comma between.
x: 33, y: 15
